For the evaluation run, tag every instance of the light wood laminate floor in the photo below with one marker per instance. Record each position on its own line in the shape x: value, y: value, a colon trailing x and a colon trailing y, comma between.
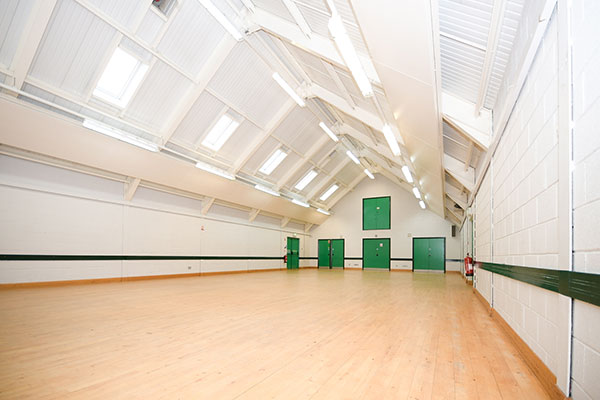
x: 308, y: 334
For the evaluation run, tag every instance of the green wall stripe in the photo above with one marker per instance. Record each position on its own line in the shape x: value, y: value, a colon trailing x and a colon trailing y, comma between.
x: 85, y: 257
x: 578, y: 285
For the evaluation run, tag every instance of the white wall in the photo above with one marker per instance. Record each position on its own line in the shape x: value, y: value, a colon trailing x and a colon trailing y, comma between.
x: 586, y: 201
x: 50, y: 210
x: 407, y: 219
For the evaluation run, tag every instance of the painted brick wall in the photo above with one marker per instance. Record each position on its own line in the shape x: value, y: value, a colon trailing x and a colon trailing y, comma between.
x: 586, y: 195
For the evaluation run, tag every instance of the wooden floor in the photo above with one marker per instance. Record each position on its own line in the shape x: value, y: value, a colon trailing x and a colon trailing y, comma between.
x: 289, y: 335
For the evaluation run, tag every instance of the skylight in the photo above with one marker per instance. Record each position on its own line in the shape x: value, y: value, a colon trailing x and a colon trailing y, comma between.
x: 120, y: 78
x: 273, y: 161
x: 306, y: 180
x: 219, y: 134
x: 329, y: 192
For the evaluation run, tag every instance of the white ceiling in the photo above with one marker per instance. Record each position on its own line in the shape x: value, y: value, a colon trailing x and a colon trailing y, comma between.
x: 53, y: 52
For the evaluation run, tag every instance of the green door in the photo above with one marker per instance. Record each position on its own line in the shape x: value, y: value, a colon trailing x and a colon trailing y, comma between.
x: 293, y: 253
x: 324, y: 252
x: 429, y: 254
x: 376, y: 213
x: 376, y: 253
x: 337, y: 253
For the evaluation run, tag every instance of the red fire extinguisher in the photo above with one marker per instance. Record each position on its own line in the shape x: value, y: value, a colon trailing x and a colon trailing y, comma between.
x: 468, y: 265
x: 285, y: 259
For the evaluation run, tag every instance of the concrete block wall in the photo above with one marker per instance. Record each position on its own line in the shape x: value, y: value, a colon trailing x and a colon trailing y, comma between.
x: 586, y: 191
x: 50, y: 210
x: 482, y: 221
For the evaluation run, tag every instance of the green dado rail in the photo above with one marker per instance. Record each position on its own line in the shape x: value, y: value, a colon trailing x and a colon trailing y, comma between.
x: 578, y: 285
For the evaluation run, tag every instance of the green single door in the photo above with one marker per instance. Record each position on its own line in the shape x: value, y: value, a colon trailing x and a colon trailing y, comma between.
x: 376, y: 253
x: 337, y: 253
x: 324, y: 252
x: 293, y: 253
x: 429, y: 254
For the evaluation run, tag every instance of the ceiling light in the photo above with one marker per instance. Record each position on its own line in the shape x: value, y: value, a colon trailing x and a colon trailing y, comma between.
x: 352, y: 157
x: 267, y: 190
x: 120, y: 135
x: 306, y: 180
x: 391, y: 139
x: 346, y: 49
x: 417, y: 193
x: 300, y: 203
x: 225, y: 23
x: 120, y: 79
x: 214, y: 170
x: 422, y: 204
x: 368, y: 173
x: 219, y: 133
x: 273, y: 161
x: 329, y: 192
x: 328, y: 131
x: 323, y: 211
x: 284, y: 85
x: 407, y: 175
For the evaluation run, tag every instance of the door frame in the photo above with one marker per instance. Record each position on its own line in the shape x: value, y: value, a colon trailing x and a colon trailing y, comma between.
x: 330, y: 261
x: 427, y: 237
x: 288, y: 251
x: 376, y: 238
x: 362, y: 215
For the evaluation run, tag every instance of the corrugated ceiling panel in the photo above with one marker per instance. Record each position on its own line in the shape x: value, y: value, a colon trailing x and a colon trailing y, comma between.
x: 323, y: 80
x: 310, y: 134
x: 349, y: 173
x: 150, y: 27
x: 307, y: 58
x: 284, y: 167
x: 294, y: 124
x: 466, y: 19
x: 454, y: 149
x: 198, y: 119
x: 347, y: 14
x: 334, y: 161
x: 319, y: 5
x: 316, y: 20
x: 317, y: 182
x: 261, y: 155
x: 275, y: 7
x: 239, y: 141
x: 158, y: 96
x: 125, y: 12
x: 461, y: 68
x: 191, y: 37
x: 13, y: 19
x: 245, y: 81
x: 73, y: 49
x: 323, y: 151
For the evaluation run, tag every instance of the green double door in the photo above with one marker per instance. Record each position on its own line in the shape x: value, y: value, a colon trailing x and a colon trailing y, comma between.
x: 293, y: 253
x: 331, y: 253
x: 376, y: 253
x: 429, y: 254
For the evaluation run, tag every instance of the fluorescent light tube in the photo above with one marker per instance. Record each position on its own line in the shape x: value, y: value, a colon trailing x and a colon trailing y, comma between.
x: 352, y: 157
x: 329, y: 192
x: 225, y: 23
x: 368, y: 173
x: 120, y: 135
x: 273, y: 161
x: 219, y: 133
x: 407, y: 175
x: 346, y: 49
x: 422, y: 204
x: 306, y: 180
x: 417, y: 193
x: 328, y: 131
x: 300, y: 203
x: 323, y: 211
x: 284, y: 85
x: 215, y: 170
x: 267, y: 190
x: 391, y: 139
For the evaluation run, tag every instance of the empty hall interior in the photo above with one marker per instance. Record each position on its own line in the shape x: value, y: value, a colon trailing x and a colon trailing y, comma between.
x: 285, y: 199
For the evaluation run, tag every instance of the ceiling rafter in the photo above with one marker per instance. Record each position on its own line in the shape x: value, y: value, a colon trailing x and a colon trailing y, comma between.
x: 338, y: 82
x: 346, y: 190
x: 293, y: 170
x: 130, y: 188
x: 328, y: 182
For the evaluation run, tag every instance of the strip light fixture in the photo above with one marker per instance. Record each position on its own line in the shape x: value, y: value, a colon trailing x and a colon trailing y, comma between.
x: 215, y: 170
x: 306, y: 180
x: 329, y: 192
x: 323, y: 211
x: 407, y: 175
x: 422, y: 204
x: 220, y: 17
x: 346, y: 49
x: 328, y: 131
x: 288, y: 89
x: 276, y: 158
x: 417, y: 193
x: 300, y: 203
x: 352, y: 157
x: 267, y: 190
x: 120, y: 135
x: 368, y: 173
x: 391, y: 139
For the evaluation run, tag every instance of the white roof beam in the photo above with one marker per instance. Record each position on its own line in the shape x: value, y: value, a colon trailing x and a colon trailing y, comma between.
x: 258, y: 141
x: 207, y: 205
x: 303, y: 160
x: 456, y: 196
x: 463, y: 41
x: 346, y: 190
x: 209, y: 69
x: 490, y: 54
x: 469, y: 155
x: 318, y: 189
x: 364, y: 139
x: 285, y: 221
x: 253, y: 214
x: 320, y: 46
x: 456, y: 170
x: 131, y: 187
x: 458, y: 113
x: 30, y: 40
x: 338, y: 83
x: 453, y: 216
x: 298, y: 17
x: 307, y: 227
